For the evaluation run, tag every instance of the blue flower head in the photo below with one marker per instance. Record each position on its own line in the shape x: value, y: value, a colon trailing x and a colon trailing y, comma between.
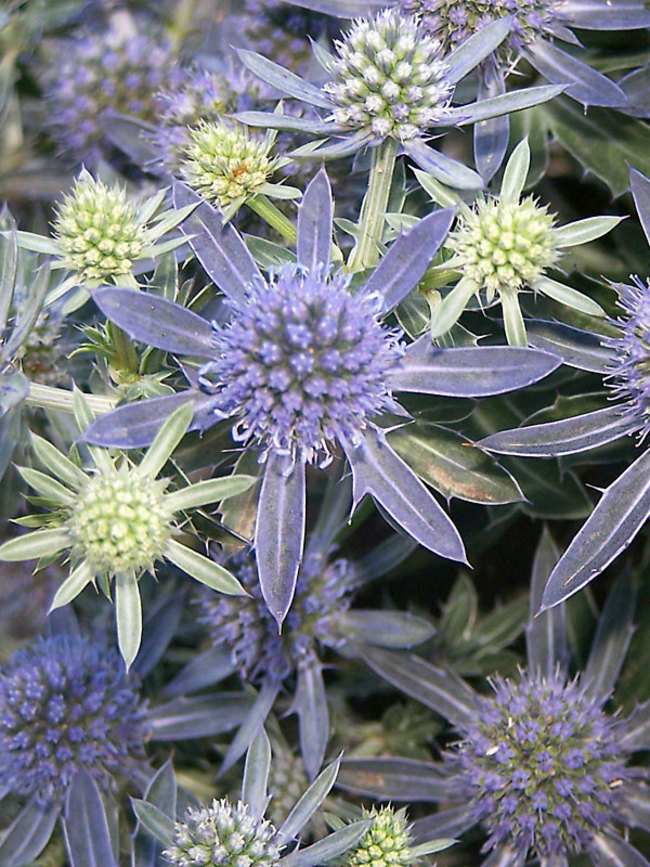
x: 304, y: 369
x: 66, y: 705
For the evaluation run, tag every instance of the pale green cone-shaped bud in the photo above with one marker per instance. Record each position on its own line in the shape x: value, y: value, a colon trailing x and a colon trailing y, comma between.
x: 387, y: 843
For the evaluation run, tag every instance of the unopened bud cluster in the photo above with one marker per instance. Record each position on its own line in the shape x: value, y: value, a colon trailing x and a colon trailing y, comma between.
x: 120, y: 522
x: 386, y: 843
x: 388, y: 77
x: 98, y: 231
x: 223, y: 835
x: 225, y: 163
x: 503, y: 245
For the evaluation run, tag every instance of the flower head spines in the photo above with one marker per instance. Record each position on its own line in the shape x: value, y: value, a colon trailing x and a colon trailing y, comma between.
x: 503, y: 245
x: 225, y: 163
x: 98, y: 231
x: 303, y: 364
x: 453, y: 23
x: 120, y: 521
x: 388, y: 77
x: 223, y: 835
x: 66, y: 704
x: 542, y: 765
x: 387, y: 842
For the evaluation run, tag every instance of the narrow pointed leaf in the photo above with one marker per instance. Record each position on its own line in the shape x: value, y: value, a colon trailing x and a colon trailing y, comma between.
x: 637, y: 729
x: 204, y: 670
x: 76, y: 581
x: 218, y: 247
x: 516, y: 172
x: 128, y: 611
x: 203, y: 569
x: 162, y: 791
x: 491, y: 136
x: 136, y: 424
x: 315, y: 223
x: 469, y: 371
x: 472, y: 51
x: 618, y: 517
x: 513, y: 320
x: 166, y: 440
x: 611, y: 642
x: 308, y: 803
x: 565, y: 437
x: 546, y: 633
x: 198, y: 717
x: 86, y: 827
x: 641, y: 191
x: 445, y: 169
x: 48, y: 487
x: 636, y: 806
x: 256, y: 775
x: 42, y: 543
x: 342, y: 8
x: 451, y: 308
x: 395, y: 778
x: 252, y: 723
x: 285, y: 81
x: 57, y: 463
x: 584, y: 231
x: 29, y: 833
x: 585, y: 84
x: 613, y: 851
x: 133, y: 136
x: 407, y: 259
x: 209, y: 491
x: 447, y: 823
x: 311, y: 706
x: 280, y: 532
x: 37, y: 244
x: 394, y: 629
x: 274, y: 120
x: 577, y: 348
x: 156, y: 321
x: 599, y: 15
x: 344, y: 147
x: 331, y: 847
x: 157, y: 823
x: 504, y: 103
x: 377, y: 470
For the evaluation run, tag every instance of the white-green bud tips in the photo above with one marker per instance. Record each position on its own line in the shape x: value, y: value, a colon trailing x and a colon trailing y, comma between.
x: 225, y: 163
x: 120, y: 521
x: 98, y: 231
x: 387, y: 843
x: 223, y: 835
x: 503, y: 245
x: 389, y: 77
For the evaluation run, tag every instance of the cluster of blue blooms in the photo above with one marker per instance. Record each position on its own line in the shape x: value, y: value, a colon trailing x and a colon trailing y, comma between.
x: 263, y: 305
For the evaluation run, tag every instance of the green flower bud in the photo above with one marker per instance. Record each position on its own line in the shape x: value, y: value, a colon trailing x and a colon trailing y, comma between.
x: 387, y: 843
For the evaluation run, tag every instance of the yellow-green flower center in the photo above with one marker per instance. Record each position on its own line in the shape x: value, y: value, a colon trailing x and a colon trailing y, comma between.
x: 504, y: 245
x: 224, y: 163
x: 120, y: 521
x: 98, y: 231
x: 386, y: 843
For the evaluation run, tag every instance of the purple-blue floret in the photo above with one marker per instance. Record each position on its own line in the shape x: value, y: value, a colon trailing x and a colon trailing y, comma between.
x: 66, y: 704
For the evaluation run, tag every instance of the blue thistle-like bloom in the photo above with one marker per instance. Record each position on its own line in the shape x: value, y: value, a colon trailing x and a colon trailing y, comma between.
x: 95, y: 74
x: 259, y: 652
x: 65, y: 705
x: 303, y: 364
x: 542, y: 765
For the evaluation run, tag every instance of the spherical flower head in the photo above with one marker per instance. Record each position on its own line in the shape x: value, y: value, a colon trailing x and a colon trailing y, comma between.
x: 98, y: 231
x: 453, y: 23
x: 100, y: 73
x: 388, y: 77
x: 41, y: 355
x: 386, y: 843
x: 629, y: 374
x: 542, y: 766
x: 246, y: 626
x: 223, y: 835
x: 225, y: 163
x: 503, y: 245
x: 202, y: 96
x: 66, y: 705
x: 303, y: 363
x: 120, y: 521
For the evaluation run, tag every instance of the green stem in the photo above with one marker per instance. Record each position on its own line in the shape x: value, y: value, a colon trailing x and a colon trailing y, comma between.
x: 126, y: 358
x: 265, y: 209
x: 373, y: 210
x: 48, y: 397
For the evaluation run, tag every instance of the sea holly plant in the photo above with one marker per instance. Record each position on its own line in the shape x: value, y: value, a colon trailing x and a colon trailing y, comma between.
x: 100, y: 236
x: 505, y: 244
x: 541, y: 764
x: 536, y: 29
x: 117, y: 520
x: 622, y: 359
x: 304, y: 367
x: 390, y: 86
x: 226, y: 833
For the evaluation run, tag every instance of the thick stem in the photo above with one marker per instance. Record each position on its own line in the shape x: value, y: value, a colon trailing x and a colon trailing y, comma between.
x: 373, y: 210
x: 265, y: 209
x: 126, y: 358
x: 48, y: 397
